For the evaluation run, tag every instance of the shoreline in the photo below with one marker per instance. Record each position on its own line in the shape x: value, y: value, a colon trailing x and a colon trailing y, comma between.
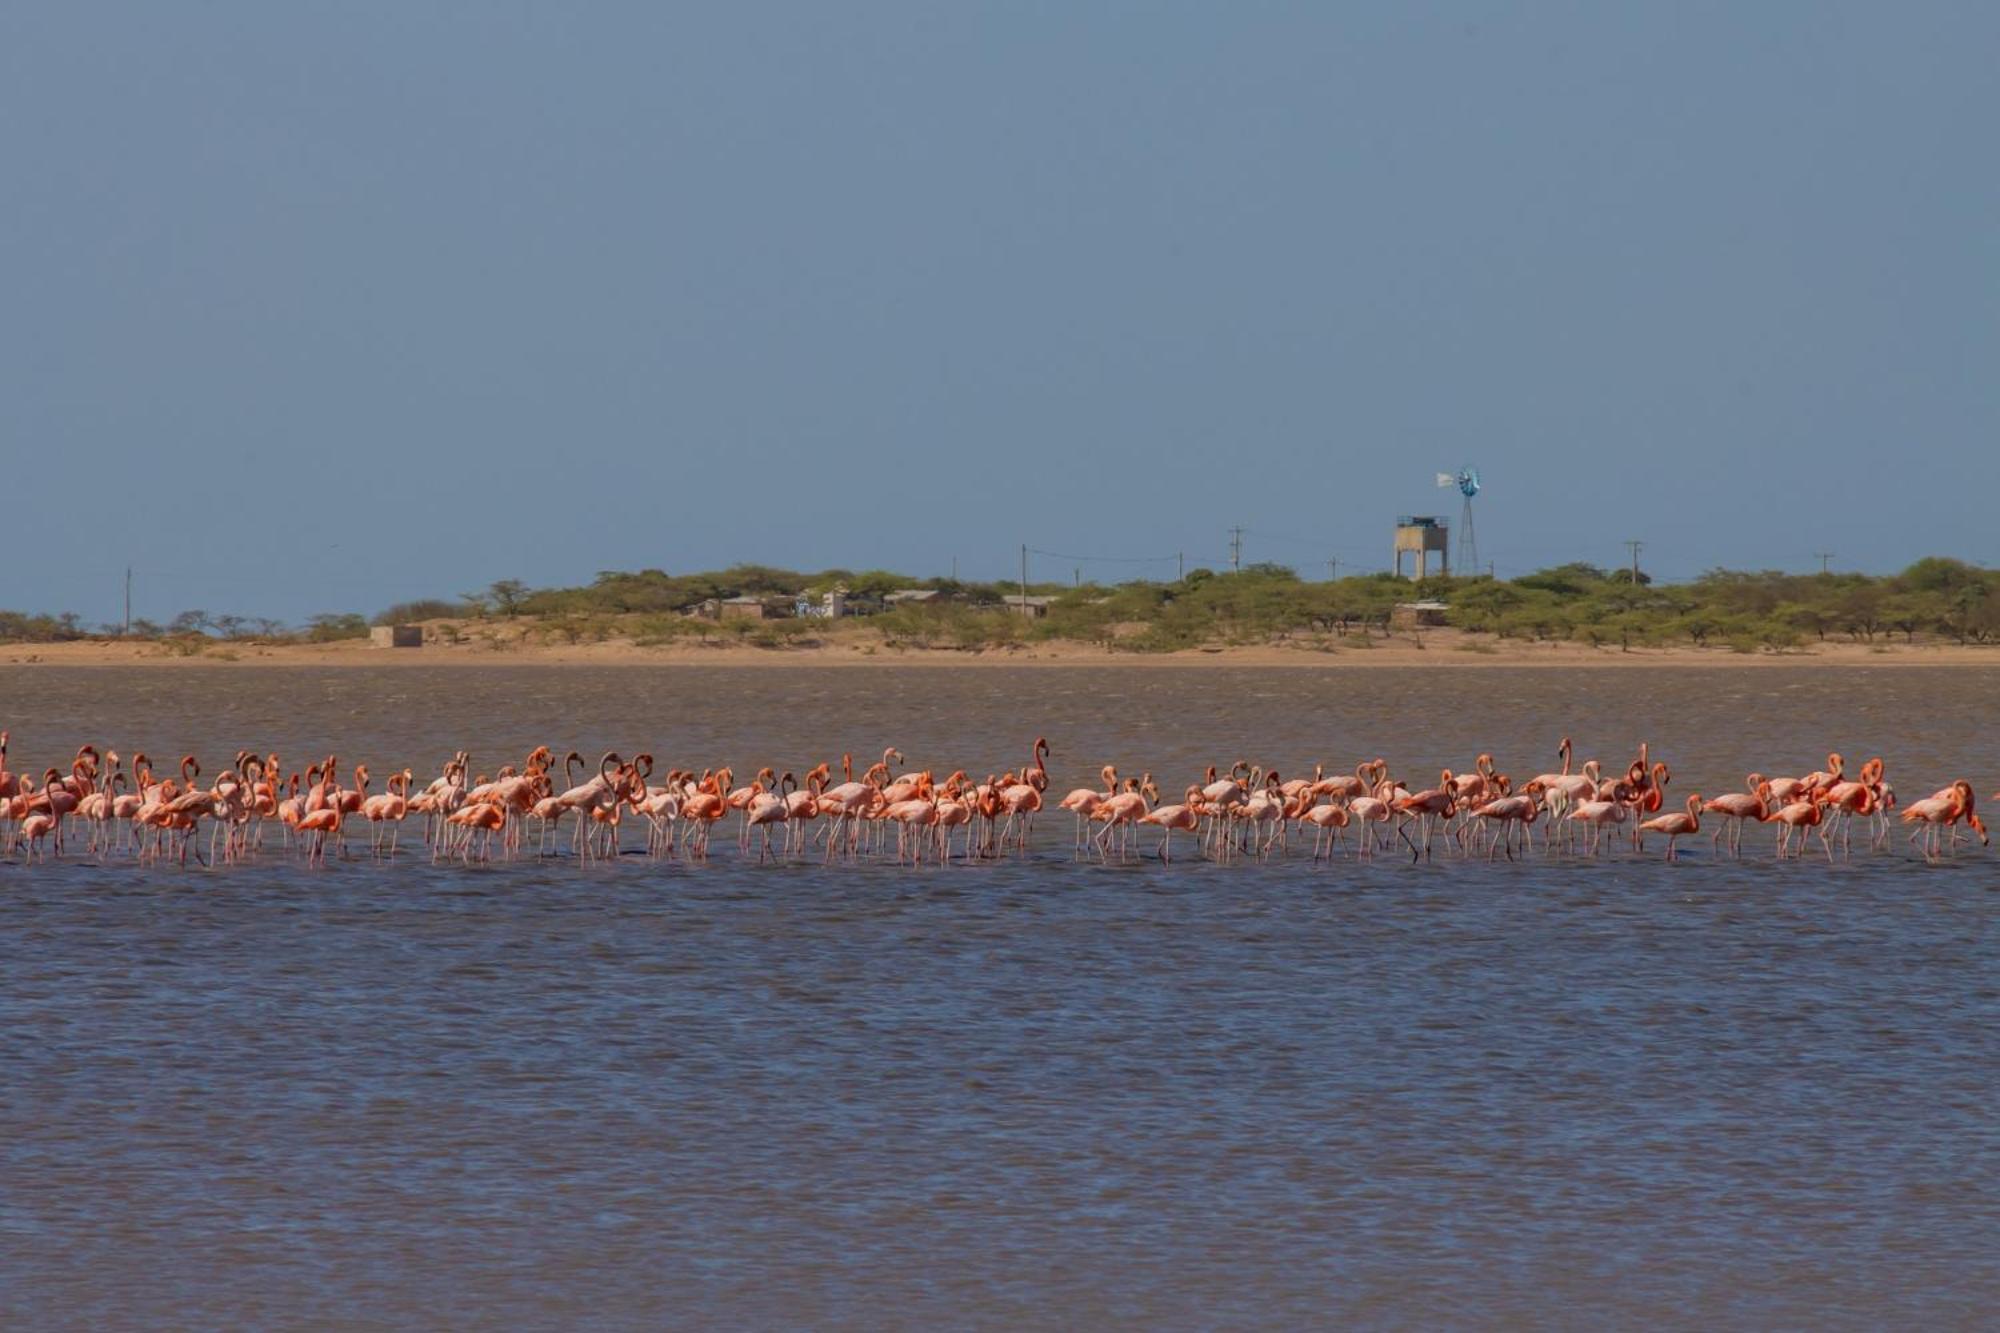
x: 1436, y: 648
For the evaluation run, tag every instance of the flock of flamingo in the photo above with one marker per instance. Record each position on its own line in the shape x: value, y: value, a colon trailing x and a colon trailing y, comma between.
x: 1245, y: 812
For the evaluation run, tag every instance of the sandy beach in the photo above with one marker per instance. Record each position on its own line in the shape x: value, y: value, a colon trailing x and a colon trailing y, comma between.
x: 1433, y: 648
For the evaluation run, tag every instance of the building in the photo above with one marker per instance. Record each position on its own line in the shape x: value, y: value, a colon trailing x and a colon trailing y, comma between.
x: 742, y: 608
x: 828, y: 606
x: 913, y: 597
x: 1034, y: 608
x: 1423, y: 536
x: 1418, y: 615
x: 396, y: 636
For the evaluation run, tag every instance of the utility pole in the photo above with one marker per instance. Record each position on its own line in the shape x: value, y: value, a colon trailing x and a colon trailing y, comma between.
x: 1236, y: 550
x: 1180, y: 559
x: 128, y: 601
x: 1636, y: 546
x: 1078, y: 574
x: 1024, y: 578
x: 1823, y: 557
x: 954, y: 569
x: 1331, y: 566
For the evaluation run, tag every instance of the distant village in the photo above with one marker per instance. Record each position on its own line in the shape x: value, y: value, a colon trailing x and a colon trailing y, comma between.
x: 837, y: 603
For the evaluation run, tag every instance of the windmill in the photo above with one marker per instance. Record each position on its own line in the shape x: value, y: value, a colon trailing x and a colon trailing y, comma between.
x: 1467, y: 481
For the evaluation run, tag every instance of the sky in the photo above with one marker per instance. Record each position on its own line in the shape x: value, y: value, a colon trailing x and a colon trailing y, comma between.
x: 321, y: 306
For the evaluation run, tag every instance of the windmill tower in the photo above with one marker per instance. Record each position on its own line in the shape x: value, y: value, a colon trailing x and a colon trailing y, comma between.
x: 1467, y: 481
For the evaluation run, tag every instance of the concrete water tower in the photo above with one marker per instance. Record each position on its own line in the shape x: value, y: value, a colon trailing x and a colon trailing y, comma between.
x: 1423, y: 536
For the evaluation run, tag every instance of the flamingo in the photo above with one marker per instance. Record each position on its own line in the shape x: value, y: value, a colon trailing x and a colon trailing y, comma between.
x: 704, y: 807
x: 1083, y: 802
x: 1846, y: 800
x: 1936, y: 813
x: 1597, y: 816
x: 1370, y: 810
x: 768, y: 808
x: 1120, y: 812
x: 1798, y: 816
x: 1676, y: 826
x: 1021, y: 801
x: 1329, y: 823
x: 479, y: 820
x: 1738, y: 807
x: 316, y: 825
x: 1439, y: 802
x: 1506, y: 814
x: 1185, y: 816
x: 389, y: 808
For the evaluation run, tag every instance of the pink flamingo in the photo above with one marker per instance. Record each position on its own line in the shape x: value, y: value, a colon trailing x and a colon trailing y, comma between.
x: 1506, y: 813
x: 1738, y: 807
x: 768, y: 808
x: 389, y: 808
x: 1186, y: 817
x: 1796, y: 817
x: 1120, y: 812
x: 1598, y: 816
x: 1438, y: 803
x: 1329, y: 823
x: 1942, y: 811
x: 1083, y: 802
x: 1676, y: 826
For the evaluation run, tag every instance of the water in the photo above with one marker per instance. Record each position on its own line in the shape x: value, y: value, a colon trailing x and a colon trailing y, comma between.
x: 545, y: 1094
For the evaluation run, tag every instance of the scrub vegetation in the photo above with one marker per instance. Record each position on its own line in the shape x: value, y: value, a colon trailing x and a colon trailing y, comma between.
x: 1934, y: 600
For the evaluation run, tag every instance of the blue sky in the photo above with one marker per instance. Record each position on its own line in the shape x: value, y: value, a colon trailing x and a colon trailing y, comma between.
x: 322, y: 306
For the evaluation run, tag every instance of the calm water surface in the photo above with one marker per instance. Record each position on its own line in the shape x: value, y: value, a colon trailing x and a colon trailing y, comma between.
x: 545, y: 1094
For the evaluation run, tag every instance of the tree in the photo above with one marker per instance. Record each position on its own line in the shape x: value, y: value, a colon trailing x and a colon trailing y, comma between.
x: 1806, y: 619
x: 328, y: 626
x: 189, y: 622
x: 1697, y: 625
x: 1906, y: 613
x: 1571, y: 580
x: 1860, y: 611
x: 1938, y: 574
x: 426, y: 608
x: 507, y: 595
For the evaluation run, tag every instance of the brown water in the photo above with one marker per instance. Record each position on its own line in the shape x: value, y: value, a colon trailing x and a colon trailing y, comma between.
x: 543, y: 1093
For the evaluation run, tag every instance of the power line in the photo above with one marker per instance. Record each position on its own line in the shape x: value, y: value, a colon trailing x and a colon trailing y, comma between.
x: 1105, y: 559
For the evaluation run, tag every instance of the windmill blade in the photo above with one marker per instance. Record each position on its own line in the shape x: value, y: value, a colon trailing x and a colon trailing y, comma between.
x: 1446, y: 479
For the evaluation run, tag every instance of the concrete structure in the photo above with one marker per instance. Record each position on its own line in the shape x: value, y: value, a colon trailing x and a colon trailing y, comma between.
x: 1423, y: 536
x: 396, y: 636
x: 741, y: 608
x: 830, y: 606
x: 1034, y: 608
x: 1418, y: 615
